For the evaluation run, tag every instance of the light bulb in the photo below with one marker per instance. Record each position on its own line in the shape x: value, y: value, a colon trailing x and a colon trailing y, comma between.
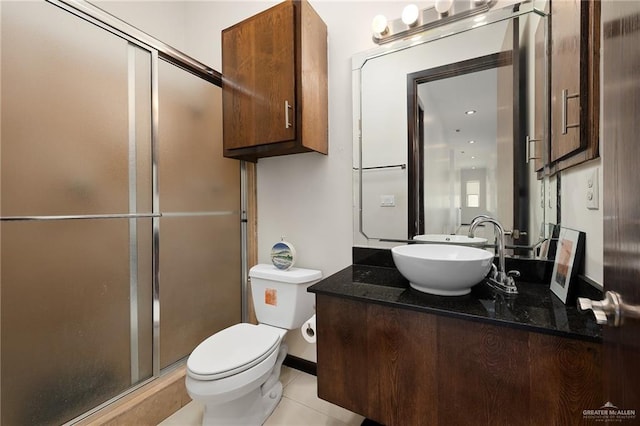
x: 379, y: 25
x: 443, y: 6
x: 410, y: 14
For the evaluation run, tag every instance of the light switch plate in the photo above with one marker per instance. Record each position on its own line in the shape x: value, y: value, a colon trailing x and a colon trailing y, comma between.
x: 592, y: 190
x: 387, y: 201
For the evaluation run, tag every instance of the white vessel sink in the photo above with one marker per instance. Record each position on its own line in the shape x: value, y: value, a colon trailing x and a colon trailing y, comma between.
x: 442, y: 269
x: 450, y: 239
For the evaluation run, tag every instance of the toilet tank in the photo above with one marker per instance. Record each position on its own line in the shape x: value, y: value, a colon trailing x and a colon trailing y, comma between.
x: 280, y: 298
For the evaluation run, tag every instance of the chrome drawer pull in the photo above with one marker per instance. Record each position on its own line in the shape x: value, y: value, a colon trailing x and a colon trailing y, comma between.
x: 287, y: 122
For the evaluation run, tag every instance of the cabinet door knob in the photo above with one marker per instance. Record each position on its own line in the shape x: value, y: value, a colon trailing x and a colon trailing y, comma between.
x: 287, y: 122
x: 565, y: 99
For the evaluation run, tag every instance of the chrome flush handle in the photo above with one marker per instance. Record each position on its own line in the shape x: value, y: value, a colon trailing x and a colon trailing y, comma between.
x: 611, y: 310
x: 565, y: 99
x: 528, y: 149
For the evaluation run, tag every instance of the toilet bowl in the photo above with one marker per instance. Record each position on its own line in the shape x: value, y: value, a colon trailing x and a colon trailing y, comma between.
x: 235, y: 373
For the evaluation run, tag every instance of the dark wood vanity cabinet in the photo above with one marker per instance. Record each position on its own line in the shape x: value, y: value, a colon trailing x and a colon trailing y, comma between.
x: 575, y: 62
x: 274, y: 91
x: 402, y: 367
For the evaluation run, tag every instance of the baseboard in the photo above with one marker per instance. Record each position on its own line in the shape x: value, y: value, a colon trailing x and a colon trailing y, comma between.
x: 368, y: 422
x: 301, y: 364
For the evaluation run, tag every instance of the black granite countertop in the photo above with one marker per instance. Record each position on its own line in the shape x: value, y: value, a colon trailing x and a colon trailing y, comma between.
x: 535, y: 308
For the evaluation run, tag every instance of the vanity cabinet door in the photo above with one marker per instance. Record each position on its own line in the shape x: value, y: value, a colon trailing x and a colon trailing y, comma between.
x: 575, y: 30
x: 272, y: 63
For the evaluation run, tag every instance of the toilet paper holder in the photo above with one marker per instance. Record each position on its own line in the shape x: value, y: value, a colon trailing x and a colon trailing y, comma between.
x: 310, y: 332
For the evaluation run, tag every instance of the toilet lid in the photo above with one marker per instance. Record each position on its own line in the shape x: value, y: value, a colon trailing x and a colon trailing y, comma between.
x: 232, y: 350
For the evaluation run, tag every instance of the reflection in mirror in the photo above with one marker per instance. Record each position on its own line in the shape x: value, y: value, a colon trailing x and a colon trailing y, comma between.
x: 461, y: 151
x: 406, y: 188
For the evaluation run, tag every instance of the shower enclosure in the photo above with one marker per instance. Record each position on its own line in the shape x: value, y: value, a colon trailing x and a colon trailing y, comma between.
x: 120, y: 225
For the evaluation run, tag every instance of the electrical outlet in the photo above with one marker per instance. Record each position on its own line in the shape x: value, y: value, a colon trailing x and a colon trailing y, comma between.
x: 592, y: 191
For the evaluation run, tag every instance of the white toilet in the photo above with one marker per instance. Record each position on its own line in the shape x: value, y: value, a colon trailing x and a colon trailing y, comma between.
x: 235, y: 373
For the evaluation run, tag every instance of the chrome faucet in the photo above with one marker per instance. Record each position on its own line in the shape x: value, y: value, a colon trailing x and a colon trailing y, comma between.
x: 499, y: 278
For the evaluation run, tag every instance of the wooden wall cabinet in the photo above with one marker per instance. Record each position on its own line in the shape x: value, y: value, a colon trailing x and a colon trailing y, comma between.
x: 403, y: 367
x: 575, y: 62
x: 274, y: 91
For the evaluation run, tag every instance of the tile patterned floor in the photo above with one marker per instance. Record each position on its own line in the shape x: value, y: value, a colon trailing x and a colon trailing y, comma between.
x: 299, y: 406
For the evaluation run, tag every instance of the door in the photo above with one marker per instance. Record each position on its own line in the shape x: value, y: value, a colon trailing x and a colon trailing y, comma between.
x: 258, y: 67
x: 621, y: 108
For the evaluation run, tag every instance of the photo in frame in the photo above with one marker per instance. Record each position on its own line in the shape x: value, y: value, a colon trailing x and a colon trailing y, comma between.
x: 568, y: 262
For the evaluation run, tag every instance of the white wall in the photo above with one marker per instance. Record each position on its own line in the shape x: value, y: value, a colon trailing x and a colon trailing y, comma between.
x: 576, y: 215
x: 440, y: 171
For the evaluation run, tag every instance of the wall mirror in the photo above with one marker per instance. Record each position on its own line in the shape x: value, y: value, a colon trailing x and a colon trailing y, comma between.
x: 441, y: 125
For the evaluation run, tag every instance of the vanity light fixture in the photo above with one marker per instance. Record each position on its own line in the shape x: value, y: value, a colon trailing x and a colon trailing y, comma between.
x: 470, y: 112
x: 414, y: 21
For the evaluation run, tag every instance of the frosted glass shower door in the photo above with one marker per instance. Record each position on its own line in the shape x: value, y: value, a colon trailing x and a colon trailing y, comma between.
x: 120, y: 239
x: 75, y: 244
x: 200, y: 225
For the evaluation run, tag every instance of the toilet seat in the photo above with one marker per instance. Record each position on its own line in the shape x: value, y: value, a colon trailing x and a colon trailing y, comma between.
x: 232, y: 351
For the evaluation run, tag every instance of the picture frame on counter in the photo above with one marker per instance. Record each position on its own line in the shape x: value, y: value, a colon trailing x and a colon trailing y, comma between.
x: 568, y: 262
